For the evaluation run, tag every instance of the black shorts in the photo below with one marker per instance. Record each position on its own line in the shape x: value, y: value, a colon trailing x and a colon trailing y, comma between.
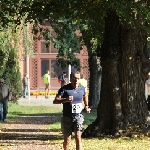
x: 68, y: 124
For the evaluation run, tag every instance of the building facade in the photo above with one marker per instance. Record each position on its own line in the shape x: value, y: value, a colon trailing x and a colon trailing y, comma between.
x: 45, y: 59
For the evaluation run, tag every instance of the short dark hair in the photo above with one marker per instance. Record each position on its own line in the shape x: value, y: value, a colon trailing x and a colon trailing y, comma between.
x: 82, y: 76
x: 72, y: 73
x: 64, y: 72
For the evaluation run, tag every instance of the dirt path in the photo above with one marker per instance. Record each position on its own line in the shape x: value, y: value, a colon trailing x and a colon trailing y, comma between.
x: 30, y: 133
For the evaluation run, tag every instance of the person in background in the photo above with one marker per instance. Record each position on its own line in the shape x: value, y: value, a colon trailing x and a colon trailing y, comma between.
x: 47, y: 83
x: 147, y: 91
x: 71, y: 96
x: 61, y: 79
x: 5, y: 95
x: 83, y: 82
x: 25, y: 85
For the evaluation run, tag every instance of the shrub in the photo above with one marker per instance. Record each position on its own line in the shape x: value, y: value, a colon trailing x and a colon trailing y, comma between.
x: 34, y: 93
x: 12, y: 75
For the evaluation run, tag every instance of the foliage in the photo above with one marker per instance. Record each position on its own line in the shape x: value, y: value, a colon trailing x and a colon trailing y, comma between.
x: 27, y: 40
x: 13, y: 39
x: 11, y: 44
x: 13, y: 12
x: 12, y: 75
x: 5, y: 48
x: 90, y: 15
x: 9, y: 61
x: 65, y: 40
x: 75, y: 15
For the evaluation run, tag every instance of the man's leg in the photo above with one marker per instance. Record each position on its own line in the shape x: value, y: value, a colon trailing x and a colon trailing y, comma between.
x: 5, y: 109
x: 66, y: 127
x: 78, y: 127
x: 26, y: 87
x: 46, y: 90
x: 24, y: 92
x: 78, y: 140
x: 66, y: 142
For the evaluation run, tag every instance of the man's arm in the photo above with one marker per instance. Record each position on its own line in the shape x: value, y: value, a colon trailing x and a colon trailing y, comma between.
x: 59, y: 100
x: 9, y: 94
x: 62, y: 79
x: 85, y: 99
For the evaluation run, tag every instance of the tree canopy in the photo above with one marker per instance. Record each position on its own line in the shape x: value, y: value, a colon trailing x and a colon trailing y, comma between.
x: 89, y: 16
x: 116, y: 31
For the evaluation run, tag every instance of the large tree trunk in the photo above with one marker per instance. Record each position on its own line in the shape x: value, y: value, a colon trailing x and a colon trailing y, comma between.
x: 122, y: 105
x: 95, y: 80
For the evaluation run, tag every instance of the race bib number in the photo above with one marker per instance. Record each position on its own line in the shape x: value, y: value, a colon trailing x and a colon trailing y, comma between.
x: 77, y: 108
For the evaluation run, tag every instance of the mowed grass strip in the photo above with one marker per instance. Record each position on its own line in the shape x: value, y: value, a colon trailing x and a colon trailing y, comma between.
x: 104, y: 143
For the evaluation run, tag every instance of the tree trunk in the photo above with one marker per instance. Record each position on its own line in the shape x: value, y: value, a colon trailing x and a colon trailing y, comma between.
x: 95, y: 81
x: 122, y: 109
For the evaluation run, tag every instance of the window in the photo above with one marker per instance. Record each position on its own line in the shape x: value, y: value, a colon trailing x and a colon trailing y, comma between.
x: 44, y: 66
x: 50, y: 64
x: 53, y: 49
x: 44, y: 48
x: 49, y: 49
x: 56, y: 70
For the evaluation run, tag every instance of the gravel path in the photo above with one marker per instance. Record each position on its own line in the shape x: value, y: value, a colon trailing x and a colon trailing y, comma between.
x: 30, y: 132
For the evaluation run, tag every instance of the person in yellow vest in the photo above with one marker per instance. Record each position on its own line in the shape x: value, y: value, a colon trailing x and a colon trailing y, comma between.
x: 83, y: 82
x: 47, y: 83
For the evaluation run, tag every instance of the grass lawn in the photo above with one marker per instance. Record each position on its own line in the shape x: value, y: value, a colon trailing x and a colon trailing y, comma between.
x: 16, y: 110
x: 105, y: 143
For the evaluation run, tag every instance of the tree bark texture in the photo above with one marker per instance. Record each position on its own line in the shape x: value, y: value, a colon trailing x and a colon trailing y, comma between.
x: 95, y: 81
x: 122, y: 101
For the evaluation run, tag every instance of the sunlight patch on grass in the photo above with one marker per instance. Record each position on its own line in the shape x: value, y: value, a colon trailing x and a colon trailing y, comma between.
x: 89, y: 118
x: 115, y: 144
x: 55, y: 126
x: 106, y: 144
x: 15, y: 110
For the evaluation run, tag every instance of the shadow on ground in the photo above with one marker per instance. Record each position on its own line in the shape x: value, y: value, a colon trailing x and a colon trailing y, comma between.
x: 36, y: 119
x: 31, y: 127
x: 18, y: 136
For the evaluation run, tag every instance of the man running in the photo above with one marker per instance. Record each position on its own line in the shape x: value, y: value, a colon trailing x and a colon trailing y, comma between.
x: 71, y: 96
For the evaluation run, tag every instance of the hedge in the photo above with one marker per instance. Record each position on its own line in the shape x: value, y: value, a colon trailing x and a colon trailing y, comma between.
x: 35, y: 93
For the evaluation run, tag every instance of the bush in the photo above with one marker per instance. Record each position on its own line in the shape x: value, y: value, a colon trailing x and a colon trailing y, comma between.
x: 12, y: 75
x: 36, y: 93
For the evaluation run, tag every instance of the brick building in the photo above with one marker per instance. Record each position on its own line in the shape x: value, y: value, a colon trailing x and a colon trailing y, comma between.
x: 45, y: 59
